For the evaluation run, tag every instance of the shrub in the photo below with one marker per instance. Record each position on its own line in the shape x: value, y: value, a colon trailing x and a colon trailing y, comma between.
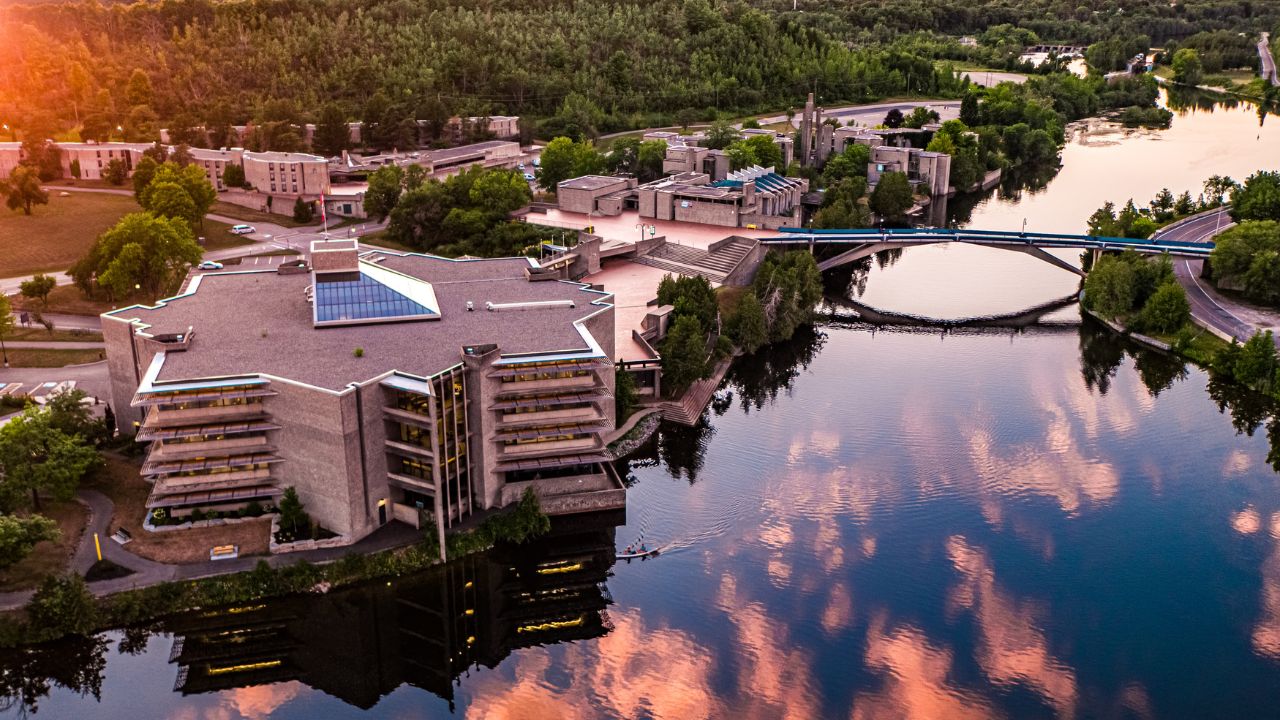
x: 63, y: 606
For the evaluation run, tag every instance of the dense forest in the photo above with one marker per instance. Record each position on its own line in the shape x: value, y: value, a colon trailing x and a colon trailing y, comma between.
x: 599, y: 66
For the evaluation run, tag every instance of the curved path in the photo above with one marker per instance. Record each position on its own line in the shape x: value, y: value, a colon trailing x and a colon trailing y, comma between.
x: 1226, y: 317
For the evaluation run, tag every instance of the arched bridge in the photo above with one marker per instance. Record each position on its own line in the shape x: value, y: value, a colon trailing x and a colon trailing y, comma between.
x: 864, y: 243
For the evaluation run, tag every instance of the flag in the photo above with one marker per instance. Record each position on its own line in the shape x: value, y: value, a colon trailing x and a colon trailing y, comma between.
x: 323, y: 218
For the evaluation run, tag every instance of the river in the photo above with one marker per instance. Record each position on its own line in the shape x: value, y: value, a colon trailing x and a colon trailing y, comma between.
x: 866, y: 524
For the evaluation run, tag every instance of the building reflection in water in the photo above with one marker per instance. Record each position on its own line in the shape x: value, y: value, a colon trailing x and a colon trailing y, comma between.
x: 427, y: 631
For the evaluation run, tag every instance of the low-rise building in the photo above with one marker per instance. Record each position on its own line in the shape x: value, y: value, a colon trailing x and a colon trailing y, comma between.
x: 584, y: 194
x: 215, y: 163
x: 94, y: 158
x: 286, y: 174
x: 438, y: 163
x: 380, y: 386
x: 929, y: 172
x: 10, y: 157
x: 694, y: 159
x: 754, y: 196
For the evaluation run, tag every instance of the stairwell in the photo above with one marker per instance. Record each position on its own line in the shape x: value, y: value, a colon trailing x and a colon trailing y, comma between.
x: 715, y: 266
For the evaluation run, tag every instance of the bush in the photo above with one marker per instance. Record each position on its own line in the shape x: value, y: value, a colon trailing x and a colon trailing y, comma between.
x: 624, y: 395
x: 294, y: 521
x: 303, y: 211
x: 63, y: 606
x: 1166, y: 310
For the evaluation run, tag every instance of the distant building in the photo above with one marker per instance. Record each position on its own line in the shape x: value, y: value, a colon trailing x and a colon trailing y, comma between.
x: 693, y: 159
x: 10, y: 157
x: 290, y: 174
x: 753, y: 196
x: 929, y: 172
x: 381, y: 386
x: 584, y: 194
x: 215, y: 163
x: 437, y: 163
x: 94, y: 157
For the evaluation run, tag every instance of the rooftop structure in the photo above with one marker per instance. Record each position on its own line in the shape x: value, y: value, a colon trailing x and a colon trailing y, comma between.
x: 438, y: 163
x: 381, y: 386
x: 752, y: 197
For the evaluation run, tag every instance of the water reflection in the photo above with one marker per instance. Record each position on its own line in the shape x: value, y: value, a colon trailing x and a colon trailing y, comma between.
x: 359, y: 644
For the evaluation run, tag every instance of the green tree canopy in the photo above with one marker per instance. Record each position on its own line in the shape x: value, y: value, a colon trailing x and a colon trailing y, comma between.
x: 141, y: 250
x: 1187, y: 67
x: 37, y: 457
x: 22, y: 190
x: 170, y: 200
x: 1258, y: 198
x: 1248, y: 257
x: 892, y: 197
x: 385, y: 186
x: 38, y: 288
x: 19, y: 535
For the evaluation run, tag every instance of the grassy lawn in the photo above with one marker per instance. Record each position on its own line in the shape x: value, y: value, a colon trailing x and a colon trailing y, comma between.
x: 251, y: 216
x: 38, y: 333
x: 48, y: 558
x: 1203, y: 347
x: 380, y: 239
x: 56, y: 235
x: 42, y: 358
x: 66, y: 300
x: 120, y: 480
x: 218, y: 236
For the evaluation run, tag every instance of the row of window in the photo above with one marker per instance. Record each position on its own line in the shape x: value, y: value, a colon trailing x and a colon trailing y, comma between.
x: 547, y: 375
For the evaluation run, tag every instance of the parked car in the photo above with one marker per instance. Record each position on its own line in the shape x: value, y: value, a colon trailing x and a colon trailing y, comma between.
x: 537, y: 162
x: 519, y: 166
x: 210, y: 265
x: 242, y: 229
x: 529, y: 177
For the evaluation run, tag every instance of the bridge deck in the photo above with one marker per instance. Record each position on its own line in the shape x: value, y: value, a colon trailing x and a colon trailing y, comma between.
x: 800, y: 236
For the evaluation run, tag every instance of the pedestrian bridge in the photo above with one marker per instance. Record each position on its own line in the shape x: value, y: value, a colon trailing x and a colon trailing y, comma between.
x: 864, y: 243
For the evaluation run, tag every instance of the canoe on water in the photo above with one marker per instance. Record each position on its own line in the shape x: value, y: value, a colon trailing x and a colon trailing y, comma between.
x: 644, y: 554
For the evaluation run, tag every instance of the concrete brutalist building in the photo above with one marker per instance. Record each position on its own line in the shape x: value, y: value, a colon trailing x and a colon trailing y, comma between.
x: 381, y: 386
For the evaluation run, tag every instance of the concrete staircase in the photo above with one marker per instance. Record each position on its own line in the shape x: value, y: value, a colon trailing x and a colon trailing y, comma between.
x: 683, y: 260
x: 695, y: 400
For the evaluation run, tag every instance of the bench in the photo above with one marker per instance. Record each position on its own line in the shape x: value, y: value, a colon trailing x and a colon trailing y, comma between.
x: 224, y: 552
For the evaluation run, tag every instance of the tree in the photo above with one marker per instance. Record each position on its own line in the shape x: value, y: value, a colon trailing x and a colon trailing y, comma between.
x: 1258, y: 198
x: 969, y: 110
x: 579, y: 117
x: 893, y: 118
x: 685, y: 117
x: 1109, y: 288
x: 19, y: 535
x: 332, y: 135
x: 1166, y: 310
x: 649, y: 159
x: 143, y: 173
x: 499, y: 192
x: 1216, y: 188
x: 96, y: 127
x: 1256, y: 363
x: 293, y: 517
x: 414, y: 176
x: 142, y: 250
x: 170, y: 200
x: 190, y: 179
x: 852, y: 162
x: 115, y: 172
x: 75, y: 168
x: 140, y: 125
x: 139, y: 91
x: 38, y: 287
x: 1162, y: 206
x: 920, y: 117
x: 63, y: 606
x: 68, y: 413
x: 892, y: 197
x: 1187, y: 67
x: 684, y: 353
x: 1248, y: 257
x: 1184, y: 205
x: 563, y: 159
x: 233, y: 176
x: 385, y: 186
x: 750, y: 330
x: 22, y: 190
x: 36, y: 457
x: 6, y: 326
x: 721, y: 135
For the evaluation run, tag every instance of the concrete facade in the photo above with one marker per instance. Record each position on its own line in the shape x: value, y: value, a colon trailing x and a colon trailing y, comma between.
x: 243, y: 386
x: 10, y: 157
x: 753, y: 196
x: 286, y: 174
x: 581, y: 194
x: 930, y: 172
x: 94, y: 157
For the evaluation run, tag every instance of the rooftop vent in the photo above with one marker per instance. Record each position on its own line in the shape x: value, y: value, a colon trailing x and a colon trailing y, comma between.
x: 538, y: 305
x: 335, y: 256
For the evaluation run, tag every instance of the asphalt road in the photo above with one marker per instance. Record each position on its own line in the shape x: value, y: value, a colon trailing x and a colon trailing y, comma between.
x: 1268, y: 61
x: 1204, y: 306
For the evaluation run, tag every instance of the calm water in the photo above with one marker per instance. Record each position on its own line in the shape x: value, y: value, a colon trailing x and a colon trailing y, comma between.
x: 867, y: 524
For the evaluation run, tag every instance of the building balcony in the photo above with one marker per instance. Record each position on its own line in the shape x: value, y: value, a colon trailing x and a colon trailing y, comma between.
x: 415, y: 451
x: 157, y: 418
x: 554, y: 447
x: 590, y: 413
x: 580, y: 382
x: 162, y: 451
x: 409, y: 482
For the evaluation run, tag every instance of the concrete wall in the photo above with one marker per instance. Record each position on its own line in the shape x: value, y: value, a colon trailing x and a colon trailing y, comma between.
x: 708, y: 213
x: 575, y: 200
x: 118, y: 337
x: 287, y: 174
x: 10, y: 157
x: 94, y: 158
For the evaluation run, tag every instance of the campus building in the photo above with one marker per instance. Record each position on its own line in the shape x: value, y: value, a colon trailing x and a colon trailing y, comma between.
x: 381, y: 386
x: 10, y: 157
x: 929, y: 172
x: 438, y: 164
x: 93, y: 158
x: 754, y: 196
x: 291, y: 174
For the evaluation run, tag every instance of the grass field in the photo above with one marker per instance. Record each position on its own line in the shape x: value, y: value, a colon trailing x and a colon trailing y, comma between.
x: 56, y: 235
x: 218, y: 236
x: 48, y: 558
x: 42, y: 358
x: 66, y: 300
x: 38, y: 333
x: 119, y: 479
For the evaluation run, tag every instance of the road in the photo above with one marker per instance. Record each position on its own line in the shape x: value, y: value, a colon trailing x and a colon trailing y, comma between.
x: 92, y: 378
x: 1207, y: 306
x: 1268, y: 60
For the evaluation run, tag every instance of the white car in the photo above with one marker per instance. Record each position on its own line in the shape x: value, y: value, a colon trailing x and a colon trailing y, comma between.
x: 209, y: 265
x: 242, y: 229
x: 529, y: 177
